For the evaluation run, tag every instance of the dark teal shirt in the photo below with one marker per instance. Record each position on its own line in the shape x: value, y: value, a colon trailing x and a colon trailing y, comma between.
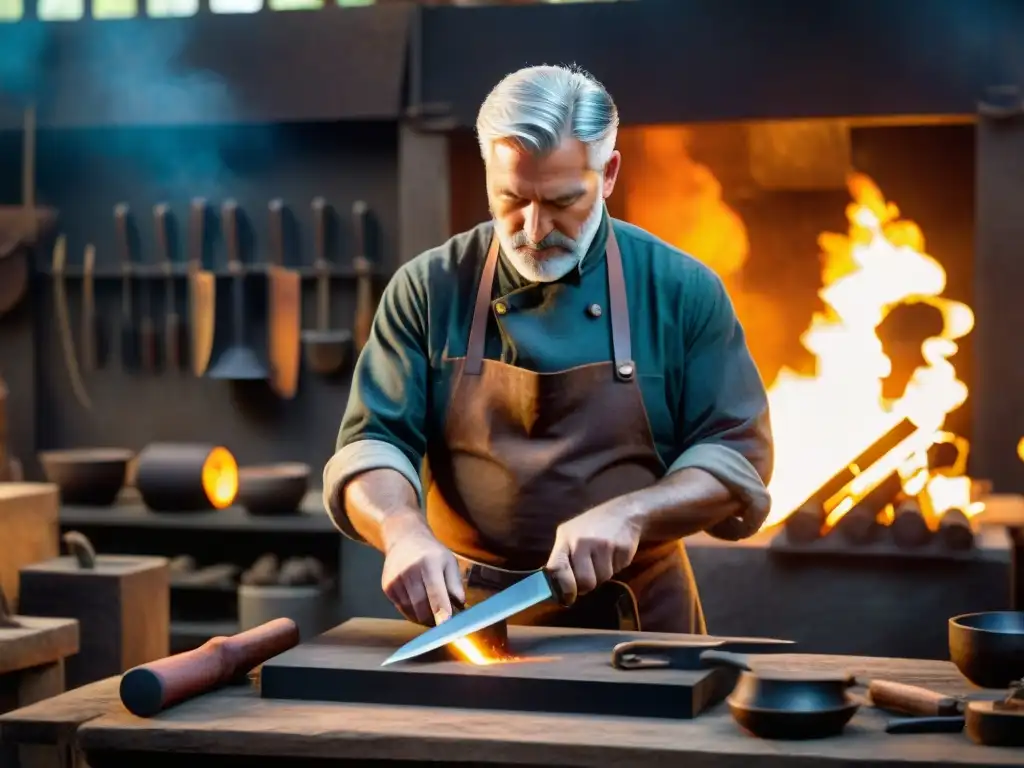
x: 705, y: 400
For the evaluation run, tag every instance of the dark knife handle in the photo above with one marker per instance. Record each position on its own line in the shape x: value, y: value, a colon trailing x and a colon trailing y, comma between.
x: 276, y: 211
x: 197, y: 233
x: 229, y: 225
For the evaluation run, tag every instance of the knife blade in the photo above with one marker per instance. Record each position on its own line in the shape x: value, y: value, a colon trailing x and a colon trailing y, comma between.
x: 526, y: 593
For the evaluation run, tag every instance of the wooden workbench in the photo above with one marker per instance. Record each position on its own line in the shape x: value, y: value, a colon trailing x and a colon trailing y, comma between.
x: 236, y: 727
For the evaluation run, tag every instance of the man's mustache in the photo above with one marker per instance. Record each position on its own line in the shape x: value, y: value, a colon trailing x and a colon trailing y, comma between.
x: 554, y: 239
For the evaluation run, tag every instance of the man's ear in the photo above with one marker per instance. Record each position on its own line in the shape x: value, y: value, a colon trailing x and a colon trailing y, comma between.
x: 611, y: 174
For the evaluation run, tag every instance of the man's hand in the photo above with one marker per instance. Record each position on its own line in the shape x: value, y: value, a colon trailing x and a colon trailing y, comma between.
x: 420, y: 574
x: 591, y: 548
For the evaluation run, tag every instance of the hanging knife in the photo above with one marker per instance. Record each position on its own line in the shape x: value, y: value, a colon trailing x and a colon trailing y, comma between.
x: 92, y: 332
x: 174, y: 329
x: 129, y: 342
x: 364, y: 278
x: 526, y: 593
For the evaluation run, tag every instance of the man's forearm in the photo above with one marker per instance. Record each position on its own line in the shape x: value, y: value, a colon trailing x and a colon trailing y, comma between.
x: 381, y: 505
x: 683, y: 503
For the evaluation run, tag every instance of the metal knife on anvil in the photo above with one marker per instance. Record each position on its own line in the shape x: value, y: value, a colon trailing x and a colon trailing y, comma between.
x: 535, y: 589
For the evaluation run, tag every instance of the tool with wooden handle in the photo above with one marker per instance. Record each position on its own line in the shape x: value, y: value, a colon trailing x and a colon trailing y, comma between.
x: 913, y: 700
x: 129, y: 340
x: 237, y: 361
x: 202, y: 290
x: 174, y: 329
x: 147, y: 338
x: 364, y: 278
x: 93, y: 338
x: 60, y: 303
x: 285, y: 311
x: 151, y: 688
x: 326, y: 350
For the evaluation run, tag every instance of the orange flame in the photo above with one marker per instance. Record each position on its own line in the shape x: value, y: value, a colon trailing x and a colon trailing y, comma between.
x: 822, y: 422
x: 473, y: 653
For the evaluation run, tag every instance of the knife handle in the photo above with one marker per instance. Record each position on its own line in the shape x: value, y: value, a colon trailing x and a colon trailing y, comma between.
x: 912, y: 699
x: 276, y: 211
x: 197, y: 233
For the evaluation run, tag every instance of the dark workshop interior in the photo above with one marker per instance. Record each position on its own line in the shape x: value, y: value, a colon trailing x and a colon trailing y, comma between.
x: 201, y: 203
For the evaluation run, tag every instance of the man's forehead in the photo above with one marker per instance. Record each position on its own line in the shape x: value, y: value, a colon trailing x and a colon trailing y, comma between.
x: 556, y: 174
x: 568, y: 158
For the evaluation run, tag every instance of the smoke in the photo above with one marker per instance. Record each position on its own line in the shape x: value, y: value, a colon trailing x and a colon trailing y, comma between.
x: 190, y: 143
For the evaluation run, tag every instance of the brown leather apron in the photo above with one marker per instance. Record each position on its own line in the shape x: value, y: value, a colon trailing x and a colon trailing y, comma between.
x: 524, y: 452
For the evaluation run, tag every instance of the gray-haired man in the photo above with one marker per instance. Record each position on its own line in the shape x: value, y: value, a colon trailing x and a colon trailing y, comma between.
x: 554, y: 389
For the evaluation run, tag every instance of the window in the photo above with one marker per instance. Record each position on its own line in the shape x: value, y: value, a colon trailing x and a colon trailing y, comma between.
x: 60, y: 10
x: 236, y: 6
x: 161, y: 9
x: 11, y: 10
x: 114, y: 9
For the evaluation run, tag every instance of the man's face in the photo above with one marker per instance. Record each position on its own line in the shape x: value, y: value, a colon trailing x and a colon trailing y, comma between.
x: 547, y: 209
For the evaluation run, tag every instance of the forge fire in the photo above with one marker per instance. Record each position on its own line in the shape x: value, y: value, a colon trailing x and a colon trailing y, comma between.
x: 823, y: 423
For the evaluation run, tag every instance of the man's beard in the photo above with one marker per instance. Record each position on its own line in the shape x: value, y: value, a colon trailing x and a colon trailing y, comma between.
x: 522, y: 251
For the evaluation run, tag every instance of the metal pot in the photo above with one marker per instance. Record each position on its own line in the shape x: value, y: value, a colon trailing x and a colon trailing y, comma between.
x: 786, y: 705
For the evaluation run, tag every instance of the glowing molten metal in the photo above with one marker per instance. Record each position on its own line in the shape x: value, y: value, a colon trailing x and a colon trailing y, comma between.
x: 821, y: 423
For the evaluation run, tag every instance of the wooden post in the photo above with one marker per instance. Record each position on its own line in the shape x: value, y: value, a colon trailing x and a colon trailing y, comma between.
x: 424, y: 191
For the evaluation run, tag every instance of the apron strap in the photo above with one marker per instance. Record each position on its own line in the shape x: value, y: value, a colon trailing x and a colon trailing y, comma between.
x: 621, y: 343
x: 481, y: 311
x: 622, y: 349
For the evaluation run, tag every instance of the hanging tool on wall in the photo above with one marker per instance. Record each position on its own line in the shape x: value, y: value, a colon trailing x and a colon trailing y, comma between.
x: 202, y: 289
x: 129, y: 340
x: 365, y: 307
x: 174, y: 328
x: 14, y: 266
x: 237, y: 361
x: 93, y: 338
x: 60, y: 305
x: 326, y: 350
x: 284, y: 321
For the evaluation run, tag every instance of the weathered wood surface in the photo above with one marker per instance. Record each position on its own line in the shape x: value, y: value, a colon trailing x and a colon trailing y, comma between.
x: 557, y: 670
x: 57, y: 720
x: 238, y: 722
x: 29, y: 530
x: 36, y: 641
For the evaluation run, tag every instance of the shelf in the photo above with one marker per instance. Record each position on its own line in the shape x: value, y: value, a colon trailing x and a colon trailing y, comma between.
x: 311, y: 519
x: 180, y: 271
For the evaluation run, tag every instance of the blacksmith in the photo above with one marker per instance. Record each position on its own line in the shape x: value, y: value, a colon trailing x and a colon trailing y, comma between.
x: 553, y: 388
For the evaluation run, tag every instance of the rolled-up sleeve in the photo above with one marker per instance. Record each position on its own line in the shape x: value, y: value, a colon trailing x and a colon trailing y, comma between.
x: 384, y: 425
x: 723, y: 425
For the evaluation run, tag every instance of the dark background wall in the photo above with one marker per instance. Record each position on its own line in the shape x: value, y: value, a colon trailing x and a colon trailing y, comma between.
x: 84, y: 173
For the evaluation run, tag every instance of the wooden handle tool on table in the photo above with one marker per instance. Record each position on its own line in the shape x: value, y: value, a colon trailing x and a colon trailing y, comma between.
x: 912, y: 700
x: 151, y: 688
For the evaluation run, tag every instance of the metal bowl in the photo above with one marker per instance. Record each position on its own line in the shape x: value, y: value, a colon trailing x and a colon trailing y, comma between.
x: 273, y: 489
x: 87, y: 476
x: 988, y: 648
